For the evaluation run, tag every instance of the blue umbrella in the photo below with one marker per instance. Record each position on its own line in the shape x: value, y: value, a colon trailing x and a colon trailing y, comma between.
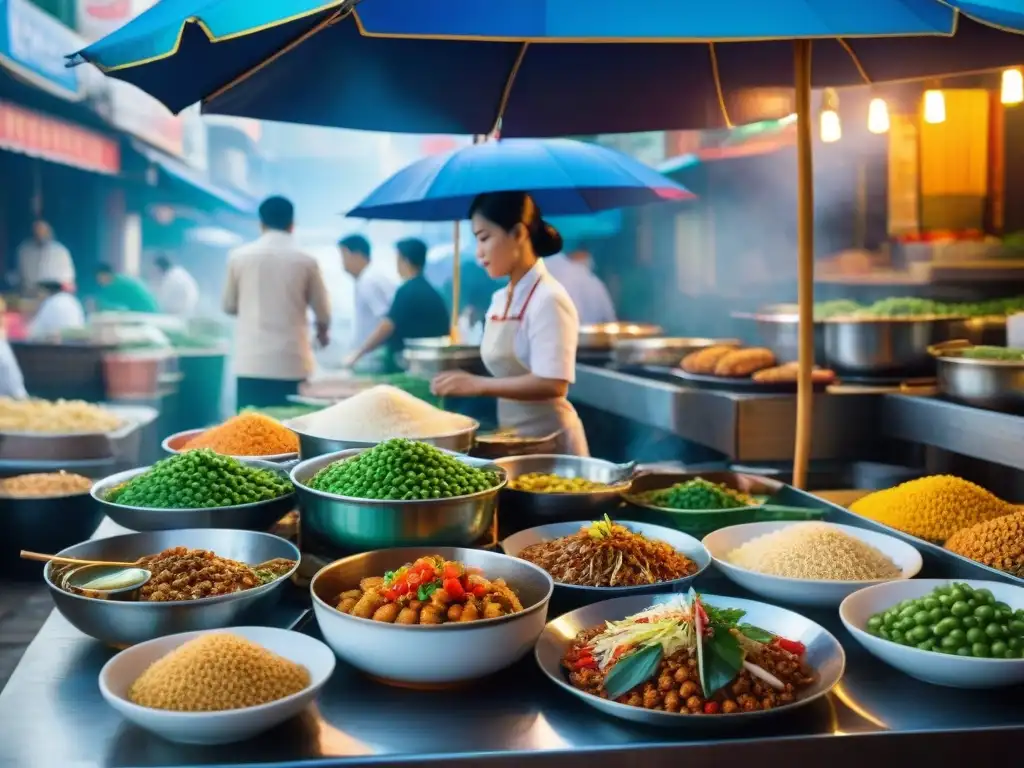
x: 545, y: 67
x: 565, y: 177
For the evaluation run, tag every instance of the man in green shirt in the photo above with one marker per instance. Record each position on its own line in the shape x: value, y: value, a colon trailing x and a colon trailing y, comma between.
x: 122, y: 293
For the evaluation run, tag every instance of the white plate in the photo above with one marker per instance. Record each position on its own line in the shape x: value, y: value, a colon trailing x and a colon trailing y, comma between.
x: 822, y: 593
x: 931, y: 666
x: 228, y: 726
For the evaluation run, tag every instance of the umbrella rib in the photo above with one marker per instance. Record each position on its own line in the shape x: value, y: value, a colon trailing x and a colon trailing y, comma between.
x: 507, y: 90
x: 856, y: 59
x: 718, y: 85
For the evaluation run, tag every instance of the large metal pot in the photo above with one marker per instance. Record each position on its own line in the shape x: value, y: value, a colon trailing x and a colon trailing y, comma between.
x: 890, y: 347
x: 460, y: 441
x: 996, y: 385
x: 780, y: 332
x: 358, y: 525
x: 425, y: 361
x: 664, y: 352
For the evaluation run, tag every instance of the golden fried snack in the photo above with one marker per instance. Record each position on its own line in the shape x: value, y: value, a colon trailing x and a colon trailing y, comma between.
x: 743, y: 362
x: 704, y: 360
x: 789, y: 372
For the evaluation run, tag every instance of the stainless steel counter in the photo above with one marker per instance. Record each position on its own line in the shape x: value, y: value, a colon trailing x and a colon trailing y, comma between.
x: 756, y: 427
x: 52, y: 714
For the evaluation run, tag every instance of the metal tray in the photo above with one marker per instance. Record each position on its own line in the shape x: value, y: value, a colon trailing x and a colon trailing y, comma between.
x: 518, y: 715
x: 706, y: 381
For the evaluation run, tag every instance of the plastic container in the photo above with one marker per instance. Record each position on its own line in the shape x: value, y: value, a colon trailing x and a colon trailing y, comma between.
x: 132, y: 374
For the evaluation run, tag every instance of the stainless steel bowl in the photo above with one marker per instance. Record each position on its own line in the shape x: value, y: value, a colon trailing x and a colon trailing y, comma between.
x: 666, y: 352
x: 425, y: 361
x: 127, y: 623
x: 356, y: 525
x: 258, y: 516
x: 44, y: 525
x: 580, y: 595
x: 408, y: 655
x: 526, y: 509
x: 780, y: 332
x: 824, y: 654
x: 987, y: 331
x: 996, y: 385
x: 884, y: 347
x: 311, y: 446
x: 174, y: 443
x: 603, y: 335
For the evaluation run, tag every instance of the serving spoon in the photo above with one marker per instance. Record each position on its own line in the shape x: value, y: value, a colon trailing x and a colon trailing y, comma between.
x: 98, y: 578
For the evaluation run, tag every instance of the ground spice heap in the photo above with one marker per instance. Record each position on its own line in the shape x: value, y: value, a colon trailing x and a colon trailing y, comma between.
x: 217, y: 672
x: 817, y: 551
x: 247, y: 434
x: 44, y: 485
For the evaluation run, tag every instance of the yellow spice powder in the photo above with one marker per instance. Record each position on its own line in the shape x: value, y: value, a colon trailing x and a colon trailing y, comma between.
x: 217, y: 672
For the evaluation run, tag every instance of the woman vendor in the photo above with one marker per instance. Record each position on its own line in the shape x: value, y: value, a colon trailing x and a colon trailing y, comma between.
x: 531, y: 330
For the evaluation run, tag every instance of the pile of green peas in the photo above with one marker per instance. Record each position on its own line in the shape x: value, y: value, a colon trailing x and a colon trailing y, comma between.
x: 955, y: 619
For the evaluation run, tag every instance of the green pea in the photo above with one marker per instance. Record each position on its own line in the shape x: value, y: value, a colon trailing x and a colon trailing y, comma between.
x: 984, y: 613
x: 945, y: 601
x: 999, y: 649
x: 959, y: 608
x: 975, y: 635
x: 981, y: 650
x: 897, y: 637
x: 936, y: 615
x: 926, y: 645
x: 956, y: 594
x: 969, y: 621
x: 995, y: 631
x: 984, y: 595
x: 946, y: 626
x: 930, y: 602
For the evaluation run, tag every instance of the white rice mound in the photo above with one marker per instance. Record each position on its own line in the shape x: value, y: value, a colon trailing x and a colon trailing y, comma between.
x: 814, y: 551
x: 380, y: 413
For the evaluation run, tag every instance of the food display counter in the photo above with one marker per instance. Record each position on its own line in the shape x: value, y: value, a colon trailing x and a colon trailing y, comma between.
x: 52, y: 713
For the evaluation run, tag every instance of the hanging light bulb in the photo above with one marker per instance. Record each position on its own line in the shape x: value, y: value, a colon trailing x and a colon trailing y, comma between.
x: 1012, y: 91
x: 934, y: 107
x: 878, y: 116
x: 831, y: 128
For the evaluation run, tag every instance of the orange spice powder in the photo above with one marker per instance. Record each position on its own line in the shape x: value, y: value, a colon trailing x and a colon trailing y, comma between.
x: 248, y: 434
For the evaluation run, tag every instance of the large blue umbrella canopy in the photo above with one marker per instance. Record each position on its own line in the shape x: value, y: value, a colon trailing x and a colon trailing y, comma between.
x: 545, y: 67
x: 563, y: 176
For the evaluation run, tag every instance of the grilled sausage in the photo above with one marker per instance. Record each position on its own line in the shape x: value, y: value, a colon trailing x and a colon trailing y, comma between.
x: 743, y: 362
x: 704, y: 360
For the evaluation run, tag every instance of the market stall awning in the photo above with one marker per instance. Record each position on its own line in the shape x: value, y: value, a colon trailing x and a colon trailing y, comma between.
x: 33, y: 45
x: 181, y: 173
x: 32, y: 133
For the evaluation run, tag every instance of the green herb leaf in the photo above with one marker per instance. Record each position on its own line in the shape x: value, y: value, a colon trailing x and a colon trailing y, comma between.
x: 633, y: 670
x: 756, y: 634
x: 389, y: 576
x: 728, y: 617
x: 426, y: 590
x: 723, y: 659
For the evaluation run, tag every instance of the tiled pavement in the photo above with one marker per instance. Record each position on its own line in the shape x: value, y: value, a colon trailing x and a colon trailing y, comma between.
x: 23, y: 609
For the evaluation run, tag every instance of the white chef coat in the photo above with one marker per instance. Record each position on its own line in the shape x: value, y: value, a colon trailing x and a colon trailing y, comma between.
x: 374, y: 292
x: 12, y: 383
x: 178, y: 293
x: 548, y: 335
x: 587, y: 291
x: 271, y: 287
x: 50, y: 261
x: 57, y: 313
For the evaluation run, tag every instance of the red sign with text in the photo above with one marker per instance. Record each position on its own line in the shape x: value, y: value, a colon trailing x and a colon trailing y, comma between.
x: 36, y: 135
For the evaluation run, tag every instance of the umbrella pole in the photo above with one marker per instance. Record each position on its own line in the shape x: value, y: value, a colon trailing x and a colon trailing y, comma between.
x: 805, y: 260
x: 456, y: 284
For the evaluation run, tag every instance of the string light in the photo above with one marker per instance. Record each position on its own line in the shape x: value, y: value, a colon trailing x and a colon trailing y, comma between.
x: 878, y: 116
x: 934, y: 107
x: 1012, y: 91
x: 831, y: 128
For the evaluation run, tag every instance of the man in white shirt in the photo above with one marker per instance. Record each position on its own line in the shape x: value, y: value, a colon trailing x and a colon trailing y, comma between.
x: 271, y: 286
x: 59, y: 311
x: 41, y: 258
x: 177, y: 293
x: 374, y: 290
x: 573, y: 268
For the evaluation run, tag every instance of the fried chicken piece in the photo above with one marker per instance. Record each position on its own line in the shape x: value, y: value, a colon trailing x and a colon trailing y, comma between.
x: 704, y: 360
x: 743, y: 362
x: 789, y: 372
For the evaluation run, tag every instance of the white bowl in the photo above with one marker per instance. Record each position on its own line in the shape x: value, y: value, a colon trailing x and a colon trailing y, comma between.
x: 431, y: 656
x: 228, y: 726
x: 815, y: 592
x: 931, y: 666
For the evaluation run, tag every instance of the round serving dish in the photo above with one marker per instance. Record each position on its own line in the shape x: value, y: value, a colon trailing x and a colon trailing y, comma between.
x: 355, y: 525
x: 122, y: 623
x: 527, y: 509
x: 257, y: 516
x: 414, y: 655
x: 311, y: 446
x: 810, y: 592
x: 930, y: 666
x: 44, y: 524
x: 996, y: 385
x: 824, y: 654
x: 225, y: 726
x: 582, y: 595
x: 885, y: 347
x: 173, y: 445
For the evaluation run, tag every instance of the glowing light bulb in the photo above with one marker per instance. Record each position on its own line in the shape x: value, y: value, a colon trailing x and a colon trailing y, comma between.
x: 934, y: 107
x: 878, y: 116
x: 1012, y: 91
x: 831, y: 129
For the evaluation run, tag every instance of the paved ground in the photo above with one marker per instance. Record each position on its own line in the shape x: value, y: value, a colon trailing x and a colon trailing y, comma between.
x: 23, y: 609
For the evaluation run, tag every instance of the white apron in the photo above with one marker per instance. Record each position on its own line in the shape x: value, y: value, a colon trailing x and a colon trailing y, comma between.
x: 528, y: 418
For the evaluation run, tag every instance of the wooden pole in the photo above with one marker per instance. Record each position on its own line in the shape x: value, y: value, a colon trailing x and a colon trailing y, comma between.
x: 805, y: 260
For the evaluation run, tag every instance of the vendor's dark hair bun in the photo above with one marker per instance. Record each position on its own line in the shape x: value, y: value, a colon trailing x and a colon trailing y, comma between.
x: 509, y: 209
